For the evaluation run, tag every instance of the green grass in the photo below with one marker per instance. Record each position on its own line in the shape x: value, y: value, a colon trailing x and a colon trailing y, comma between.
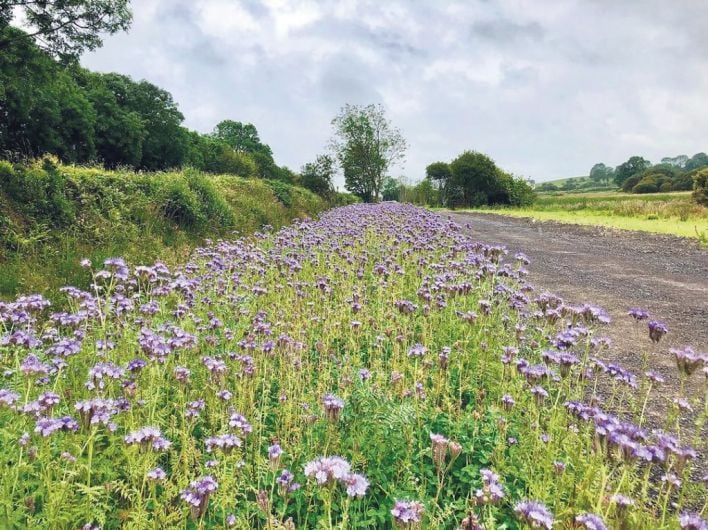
x: 661, y: 213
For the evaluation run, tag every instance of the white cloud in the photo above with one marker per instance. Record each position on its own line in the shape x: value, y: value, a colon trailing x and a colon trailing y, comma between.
x: 546, y: 88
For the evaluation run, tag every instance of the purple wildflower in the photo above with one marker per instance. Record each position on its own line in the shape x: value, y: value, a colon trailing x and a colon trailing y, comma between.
x: 535, y: 514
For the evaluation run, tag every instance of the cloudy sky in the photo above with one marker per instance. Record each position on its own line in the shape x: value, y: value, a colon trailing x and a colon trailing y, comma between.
x: 546, y: 88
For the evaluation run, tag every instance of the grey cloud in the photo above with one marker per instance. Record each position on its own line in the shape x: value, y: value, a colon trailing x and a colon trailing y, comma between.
x: 547, y: 92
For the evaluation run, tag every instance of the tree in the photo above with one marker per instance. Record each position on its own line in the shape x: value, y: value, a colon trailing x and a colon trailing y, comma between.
x: 366, y: 145
x: 601, y: 173
x: 440, y: 174
x: 317, y: 176
x: 391, y: 189
x: 477, y: 176
x: 64, y: 28
x: 696, y: 161
x: 243, y: 137
x: 42, y: 109
x: 631, y: 167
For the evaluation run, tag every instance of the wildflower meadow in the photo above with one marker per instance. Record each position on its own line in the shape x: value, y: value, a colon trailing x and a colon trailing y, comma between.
x: 376, y: 368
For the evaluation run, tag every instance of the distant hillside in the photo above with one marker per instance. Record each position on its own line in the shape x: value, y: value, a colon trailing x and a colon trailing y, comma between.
x: 577, y: 184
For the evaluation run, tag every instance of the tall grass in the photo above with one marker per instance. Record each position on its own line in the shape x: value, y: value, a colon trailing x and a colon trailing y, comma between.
x: 670, y: 213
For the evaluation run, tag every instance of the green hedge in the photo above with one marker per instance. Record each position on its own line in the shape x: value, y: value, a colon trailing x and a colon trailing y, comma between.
x: 52, y: 215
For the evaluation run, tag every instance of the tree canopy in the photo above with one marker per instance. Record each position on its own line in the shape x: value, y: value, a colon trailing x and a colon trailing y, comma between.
x: 366, y: 145
x: 49, y: 106
x: 317, y: 176
x: 64, y: 28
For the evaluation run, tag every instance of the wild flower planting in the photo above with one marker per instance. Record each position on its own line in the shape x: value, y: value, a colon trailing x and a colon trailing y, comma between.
x: 373, y: 369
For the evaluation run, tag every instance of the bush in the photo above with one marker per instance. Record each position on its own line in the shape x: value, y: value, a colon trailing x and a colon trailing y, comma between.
x: 629, y: 184
x: 666, y: 186
x: 214, y: 206
x: 179, y: 203
x: 647, y: 186
x: 700, y: 187
x: 282, y: 192
x: 39, y: 190
x: 345, y: 199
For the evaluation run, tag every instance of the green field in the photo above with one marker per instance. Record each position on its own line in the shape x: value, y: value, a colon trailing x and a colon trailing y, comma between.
x: 663, y: 213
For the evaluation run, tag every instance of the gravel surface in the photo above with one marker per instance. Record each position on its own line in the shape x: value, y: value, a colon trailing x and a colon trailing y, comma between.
x: 617, y: 270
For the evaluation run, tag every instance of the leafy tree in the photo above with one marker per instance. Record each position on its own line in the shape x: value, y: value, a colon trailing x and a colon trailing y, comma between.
x: 440, y: 174
x: 477, y: 176
x: 391, y: 189
x: 696, y: 161
x: 119, y: 131
x: 425, y: 192
x: 676, y: 161
x: 631, y: 167
x: 601, y: 173
x: 243, y: 137
x: 366, y: 145
x: 317, y: 176
x: 64, y: 28
x: 42, y: 109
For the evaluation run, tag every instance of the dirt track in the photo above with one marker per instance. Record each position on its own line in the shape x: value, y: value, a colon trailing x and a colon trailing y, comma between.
x: 616, y: 270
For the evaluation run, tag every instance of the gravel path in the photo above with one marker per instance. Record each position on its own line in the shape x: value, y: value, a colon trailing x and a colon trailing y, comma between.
x: 616, y: 270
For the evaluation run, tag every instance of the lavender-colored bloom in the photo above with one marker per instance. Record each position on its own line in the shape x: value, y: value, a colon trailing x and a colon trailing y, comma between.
x: 225, y: 442
x: 638, y: 314
x: 655, y: 377
x: 407, y: 513
x: 687, y: 361
x: 590, y: 521
x: 657, y: 329
x: 197, y: 494
x: 157, y: 474
x: 535, y: 514
x: 8, y: 397
x: 492, y: 491
x: 333, y: 406
x: 181, y: 374
x: 148, y: 437
x: 417, y: 350
x: 507, y: 402
x: 356, y: 485
x: 274, y: 451
x: 327, y: 469
x: 692, y: 521
x: 48, y: 426
x: 240, y: 423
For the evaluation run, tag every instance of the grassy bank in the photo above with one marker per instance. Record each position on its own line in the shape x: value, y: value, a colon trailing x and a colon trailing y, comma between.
x: 662, y: 213
x: 52, y: 216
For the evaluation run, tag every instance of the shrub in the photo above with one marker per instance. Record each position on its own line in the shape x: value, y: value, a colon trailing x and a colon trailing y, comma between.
x: 344, y: 199
x: 700, y: 187
x: 282, y: 192
x: 630, y: 183
x: 666, y: 186
x: 647, y: 186
x: 179, y: 203
x: 213, y: 205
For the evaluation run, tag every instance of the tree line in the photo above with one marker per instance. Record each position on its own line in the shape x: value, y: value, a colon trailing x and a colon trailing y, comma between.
x: 81, y: 116
x: 639, y: 175
x: 472, y: 179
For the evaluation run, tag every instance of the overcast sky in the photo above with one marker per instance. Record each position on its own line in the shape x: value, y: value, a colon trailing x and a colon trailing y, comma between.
x: 546, y: 88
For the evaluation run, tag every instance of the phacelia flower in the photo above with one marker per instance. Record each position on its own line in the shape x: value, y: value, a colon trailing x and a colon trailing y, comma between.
x: 407, y: 514
x: 657, y: 329
x: 535, y: 514
x: 590, y: 521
